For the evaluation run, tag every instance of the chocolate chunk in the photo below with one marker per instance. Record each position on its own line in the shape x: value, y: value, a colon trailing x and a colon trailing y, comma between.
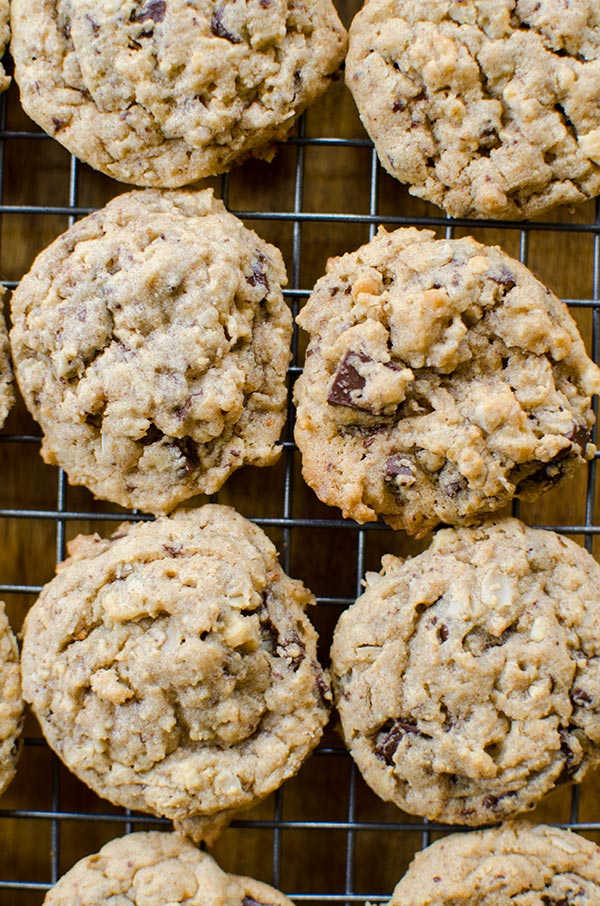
x: 58, y: 123
x: 581, y: 436
x: 322, y: 684
x: 506, y: 279
x: 258, y: 278
x: 390, y: 735
x: 454, y: 488
x: 397, y: 465
x: 399, y: 106
x: 564, y: 901
x: 492, y: 801
x: 269, y: 633
x: 153, y: 9
x: 218, y: 29
x: 189, y: 450
x: 443, y: 633
x: 581, y: 698
x: 547, y: 475
x: 296, y: 641
x: 346, y: 381
x: 570, y: 766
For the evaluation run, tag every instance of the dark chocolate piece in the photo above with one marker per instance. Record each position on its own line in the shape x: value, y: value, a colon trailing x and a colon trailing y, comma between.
x: 570, y: 766
x: 258, y: 277
x: 153, y: 9
x: 218, y: 29
x: 443, y: 633
x: 396, y: 465
x: 294, y: 640
x: 390, y: 735
x: 581, y: 698
x: 189, y: 450
x: 580, y: 435
x: 454, y: 488
x: 506, y: 279
x: 347, y: 380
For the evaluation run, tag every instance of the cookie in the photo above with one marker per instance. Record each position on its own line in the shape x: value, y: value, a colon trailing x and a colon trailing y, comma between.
x: 173, y: 670
x: 11, y: 702
x: 488, y: 108
x: 153, y: 869
x: 164, y: 92
x: 4, y: 39
x: 151, y: 342
x: 468, y: 679
x: 441, y: 380
x: 7, y: 396
x: 521, y: 863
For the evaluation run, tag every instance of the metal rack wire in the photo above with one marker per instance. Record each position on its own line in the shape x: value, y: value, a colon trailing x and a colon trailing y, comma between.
x: 357, y: 815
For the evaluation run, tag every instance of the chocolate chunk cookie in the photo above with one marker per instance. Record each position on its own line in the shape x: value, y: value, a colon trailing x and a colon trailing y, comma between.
x: 441, y: 379
x: 521, y: 863
x: 164, y: 92
x: 487, y: 108
x: 468, y: 678
x: 7, y: 396
x: 154, y: 869
x: 172, y: 668
x: 11, y: 702
x: 151, y: 342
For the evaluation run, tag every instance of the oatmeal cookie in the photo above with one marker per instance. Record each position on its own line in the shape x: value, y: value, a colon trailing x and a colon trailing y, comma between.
x: 487, y: 108
x: 164, y: 92
x: 154, y: 869
x: 151, y: 342
x: 11, y: 702
x: 173, y: 670
x: 441, y: 379
x: 468, y: 678
x: 521, y: 863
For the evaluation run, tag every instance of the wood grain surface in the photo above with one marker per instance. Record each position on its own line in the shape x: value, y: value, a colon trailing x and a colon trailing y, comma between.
x: 337, y: 858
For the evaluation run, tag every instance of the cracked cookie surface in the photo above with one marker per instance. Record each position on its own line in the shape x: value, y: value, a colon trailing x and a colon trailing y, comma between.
x: 11, y: 702
x: 173, y: 670
x: 520, y: 863
x: 441, y: 379
x: 488, y: 108
x: 164, y: 92
x: 151, y: 342
x: 152, y: 869
x: 468, y: 678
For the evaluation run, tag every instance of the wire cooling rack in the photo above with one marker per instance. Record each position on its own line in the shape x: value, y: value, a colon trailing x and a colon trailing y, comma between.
x: 324, y: 837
